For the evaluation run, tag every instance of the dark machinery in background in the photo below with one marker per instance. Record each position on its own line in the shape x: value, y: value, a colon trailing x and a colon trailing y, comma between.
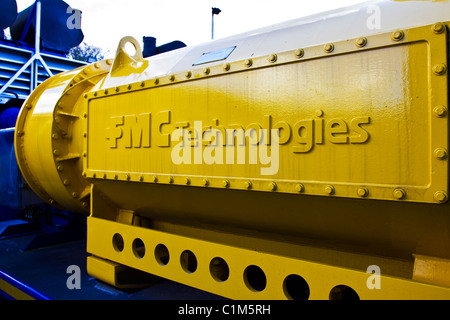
x: 40, y: 40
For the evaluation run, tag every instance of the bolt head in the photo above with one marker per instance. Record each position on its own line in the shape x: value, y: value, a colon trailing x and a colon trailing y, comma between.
x: 399, y: 194
x: 205, y: 182
x: 226, y: 183
x: 397, y: 35
x: 440, y: 153
x: 363, y: 192
x: 440, y: 69
x: 299, y: 188
x: 248, y: 62
x: 329, y: 47
x: 329, y: 189
x: 272, y: 58
x: 299, y: 53
x: 440, y: 196
x: 438, y: 27
x: 248, y: 184
x: 361, y: 42
x: 440, y: 111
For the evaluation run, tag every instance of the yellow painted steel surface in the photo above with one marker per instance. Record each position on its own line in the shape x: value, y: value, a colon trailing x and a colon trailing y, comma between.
x: 359, y: 175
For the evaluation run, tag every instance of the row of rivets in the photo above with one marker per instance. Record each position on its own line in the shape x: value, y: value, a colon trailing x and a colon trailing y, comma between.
x: 360, y: 42
x: 399, y: 193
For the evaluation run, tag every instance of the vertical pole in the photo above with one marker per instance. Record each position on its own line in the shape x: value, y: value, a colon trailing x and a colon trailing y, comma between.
x: 37, y: 47
x: 212, y: 26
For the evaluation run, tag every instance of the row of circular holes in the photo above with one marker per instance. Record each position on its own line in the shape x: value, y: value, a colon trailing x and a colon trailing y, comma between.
x: 294, y: 286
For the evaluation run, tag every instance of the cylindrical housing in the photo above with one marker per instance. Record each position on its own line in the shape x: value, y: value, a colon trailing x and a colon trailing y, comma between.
x: 361, y: 158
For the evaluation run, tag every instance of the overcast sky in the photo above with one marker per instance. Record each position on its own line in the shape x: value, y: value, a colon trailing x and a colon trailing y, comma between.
x: 105, y: 22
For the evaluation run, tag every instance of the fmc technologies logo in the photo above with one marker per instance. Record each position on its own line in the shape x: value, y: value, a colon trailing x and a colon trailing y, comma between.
x: 194, y: 143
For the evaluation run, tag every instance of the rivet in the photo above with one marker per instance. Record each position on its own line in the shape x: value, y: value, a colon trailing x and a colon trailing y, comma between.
x: 129, y: 87
x: 272, y: 186
x: 319, y: 113
x: 96, y: 65
x: 116, y: 177
x: 226, y: 183
x: 438, y: 27
x: 127, y: 175
x: 109, y: 62
x: 51, y: 201
x: 272, y: 58
x: 399, y: 194
x: 55, y: 152
x: 439, y: 69
x: 187, y: 181
x: 84, y: 134
x: 95, y: 93
x: 117, y: 89
x: 205, y: 182
x: 28, y: 106
x: 206, y: 70
x: 84, y: 174
x: 440, y: 153
x: 84, y: 115
x: 60, y: 168
x: 59, y: 105
x: 397, y: 35
x: 154, y: 179
x: 299, y: 53
x: 84, y: 154
x: 66, y: 182
x: 226, y: 66
x: 329, y: 189
x: 361, y: 42
x: 248, y: 184
x: 143, y: 84
x: 75, y: 194
x: 440, y: 196
x: 57, y: 120
x: 105, y: 176
x: 188, y: 74
x: 172, y: 77
x: 141, y: 178
x: 170, y: 179
x: 299, y: 188
x: 329, y: 47
x: 248, y: 62
x: 94, y: 175
x: 84, y: 204
x: 156, y: 81
x: 440, y: 111
x: 20, y: 133
x: 55, y: 136
x: 363, y: 192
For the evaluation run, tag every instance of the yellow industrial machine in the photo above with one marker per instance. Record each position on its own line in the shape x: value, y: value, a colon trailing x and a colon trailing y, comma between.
x: 307, y: 160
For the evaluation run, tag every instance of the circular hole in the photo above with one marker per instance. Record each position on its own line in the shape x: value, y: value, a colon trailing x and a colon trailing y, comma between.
x: 254, y: 278
x: 296, y: 288
x: 219, y: 269
x: 188, y: 261
x: 117, y: 242
x: 162, y: 254
x: 343, y: 292
x: 130, y: 48
x: 138, y: 248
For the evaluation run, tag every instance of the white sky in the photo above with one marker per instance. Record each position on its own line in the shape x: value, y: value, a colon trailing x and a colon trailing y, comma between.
x: 105, y: 22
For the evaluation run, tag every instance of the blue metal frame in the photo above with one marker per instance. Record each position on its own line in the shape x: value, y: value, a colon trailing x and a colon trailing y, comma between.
x: 22, y: 287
